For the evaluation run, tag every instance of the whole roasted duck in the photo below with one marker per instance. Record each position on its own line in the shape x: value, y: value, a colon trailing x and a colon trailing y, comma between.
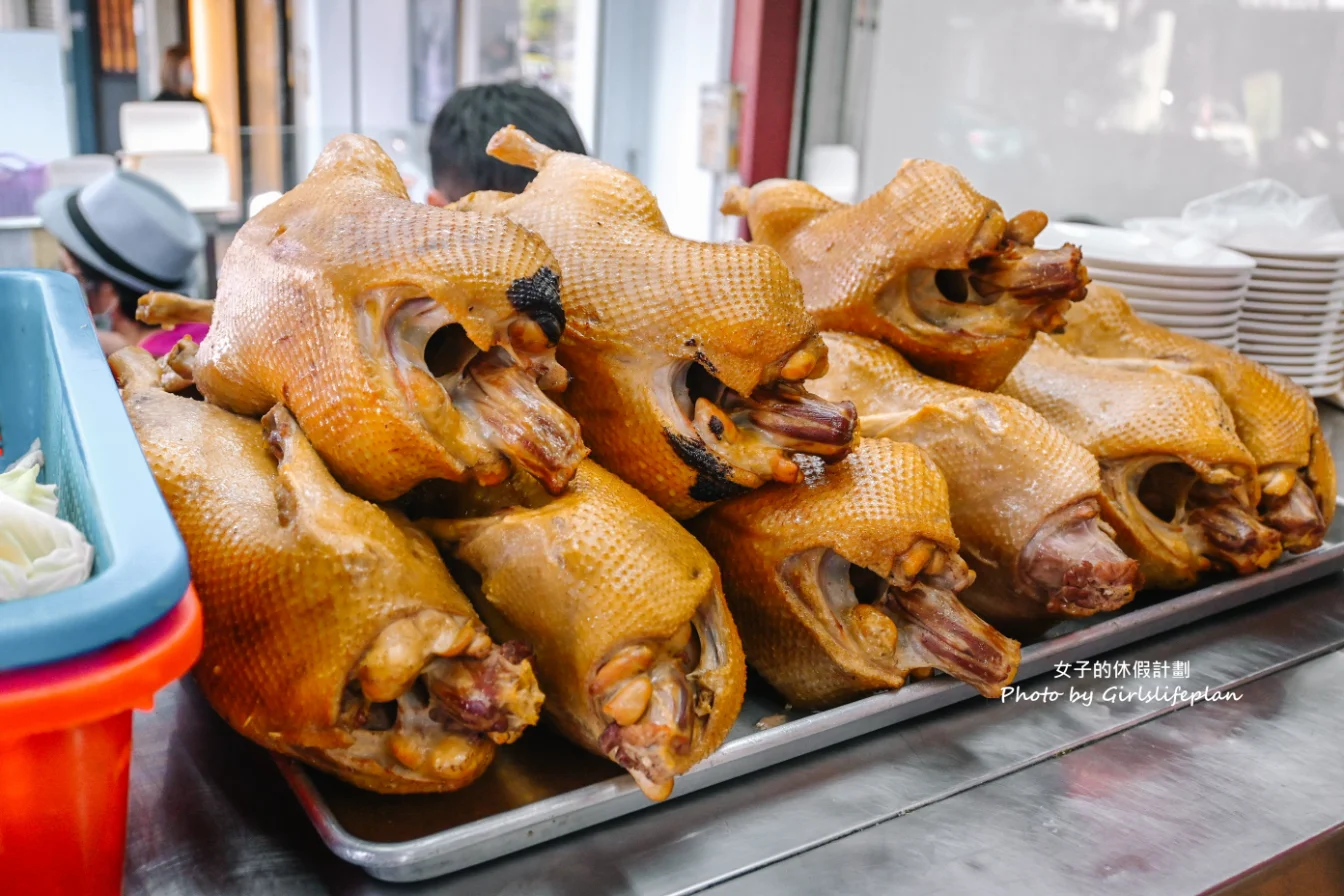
x: 333, y: 632
x: 1025, y: 500
x: 926, y: 264
x: 409, y: 342
x: 862, y: 596
x: 624, y: 609
x: 688, y: 358
x: 1275, y: 418
x: 1178, y: 486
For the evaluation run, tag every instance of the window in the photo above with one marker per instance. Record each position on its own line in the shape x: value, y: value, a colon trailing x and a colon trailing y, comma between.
x: 456, y: 42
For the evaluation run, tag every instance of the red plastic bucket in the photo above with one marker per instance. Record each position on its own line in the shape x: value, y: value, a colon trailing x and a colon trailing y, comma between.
x: 65, y: 757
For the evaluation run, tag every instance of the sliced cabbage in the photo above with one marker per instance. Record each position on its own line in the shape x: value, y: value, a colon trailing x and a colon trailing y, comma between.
x: 39, y: 553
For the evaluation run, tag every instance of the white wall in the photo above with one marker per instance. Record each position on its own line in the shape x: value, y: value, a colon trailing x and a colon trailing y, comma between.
x: 34, y: 118
x: 383, y: 52
x: 587, y: 67
x: 333, y: 57
x: 344, y: 46
x: 304, y: 57
x: 691, y: 47
x: 321, y: 46
x: 625, y: 86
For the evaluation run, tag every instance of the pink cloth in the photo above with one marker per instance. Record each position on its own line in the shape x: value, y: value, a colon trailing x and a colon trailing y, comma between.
x: 161, y: 342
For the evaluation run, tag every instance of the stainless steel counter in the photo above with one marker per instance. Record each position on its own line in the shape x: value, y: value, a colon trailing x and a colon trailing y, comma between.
x: 1028, y: 797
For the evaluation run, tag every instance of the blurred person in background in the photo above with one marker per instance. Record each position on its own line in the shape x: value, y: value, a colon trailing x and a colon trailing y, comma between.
x: 177, y: 79
x: 123, y: 236
x: 470, y: 118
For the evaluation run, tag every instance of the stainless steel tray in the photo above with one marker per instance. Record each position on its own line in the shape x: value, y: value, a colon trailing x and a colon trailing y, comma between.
x: 542, y: 787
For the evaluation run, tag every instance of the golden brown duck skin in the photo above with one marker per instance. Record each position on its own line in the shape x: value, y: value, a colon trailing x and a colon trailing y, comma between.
x: 926, y: 264
x: 633, y: 643
x: 333, y: 632
x: 410, y: 342
x: 688, y: 358
x: 1275, y: 418
x: 1025, y: 500
x: 865, y: 593
x: 1178, y: 486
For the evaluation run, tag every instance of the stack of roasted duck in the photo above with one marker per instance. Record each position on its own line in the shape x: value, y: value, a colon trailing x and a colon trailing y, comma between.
x: 379, y: 460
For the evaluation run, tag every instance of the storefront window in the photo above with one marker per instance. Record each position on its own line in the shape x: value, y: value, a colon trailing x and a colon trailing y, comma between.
x: 470, y: 41
x: 434, y: 35
x: 1053, y: 103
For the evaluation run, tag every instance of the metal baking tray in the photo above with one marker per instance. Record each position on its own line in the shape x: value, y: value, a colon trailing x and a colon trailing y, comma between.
x: 543, y: 787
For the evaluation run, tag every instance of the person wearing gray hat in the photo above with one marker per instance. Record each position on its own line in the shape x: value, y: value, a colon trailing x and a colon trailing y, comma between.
x: 122, y: 236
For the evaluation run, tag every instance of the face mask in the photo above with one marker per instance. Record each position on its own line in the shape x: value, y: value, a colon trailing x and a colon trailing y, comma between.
x: 186, y: 78
x: 102, y: 320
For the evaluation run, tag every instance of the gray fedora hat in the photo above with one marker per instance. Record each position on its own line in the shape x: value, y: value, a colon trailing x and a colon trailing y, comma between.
x: 128, y: 228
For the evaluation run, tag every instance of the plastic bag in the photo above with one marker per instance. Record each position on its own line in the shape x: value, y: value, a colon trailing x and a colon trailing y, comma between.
x: 1266, y: 215
x: 39, y: 553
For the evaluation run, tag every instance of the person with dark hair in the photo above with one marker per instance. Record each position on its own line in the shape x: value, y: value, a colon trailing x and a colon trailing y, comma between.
x: 178, y: 80
x: 176, y: 76
x: 469, y: 119
x: 123, y: 236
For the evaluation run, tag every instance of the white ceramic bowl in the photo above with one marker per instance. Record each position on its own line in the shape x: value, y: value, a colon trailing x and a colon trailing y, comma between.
x: 1099, y: 271
x: 1162, y: 306
x: 1126, y: 250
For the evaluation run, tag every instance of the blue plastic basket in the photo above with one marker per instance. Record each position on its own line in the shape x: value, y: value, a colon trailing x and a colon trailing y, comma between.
x: 55, y: 384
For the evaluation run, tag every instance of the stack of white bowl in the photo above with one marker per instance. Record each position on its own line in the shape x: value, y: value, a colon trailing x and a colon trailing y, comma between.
x: 1293, y: 319
x: 1187, y: 285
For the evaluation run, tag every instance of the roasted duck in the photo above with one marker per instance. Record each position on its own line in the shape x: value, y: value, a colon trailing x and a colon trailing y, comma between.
x: 1275, y: 418
x: 410, y: 343
x: 1025, y: 500
x: 862, y: 596
x: 333, y: 632
x: 926, y: 264
x: 688, y: 358
x: 1178, y: 486
x: 633, y: 643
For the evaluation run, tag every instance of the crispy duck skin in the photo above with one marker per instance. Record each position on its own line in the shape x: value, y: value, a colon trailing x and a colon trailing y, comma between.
x: 688, y: 358
x: 392, y: 330
x: 1275, y: 418
x: 633, y: 643
x: 1164, y: 439
x: 848, y: 583
x: 333, y: 632
x: 926, y: 264
x: 1025, y: 500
